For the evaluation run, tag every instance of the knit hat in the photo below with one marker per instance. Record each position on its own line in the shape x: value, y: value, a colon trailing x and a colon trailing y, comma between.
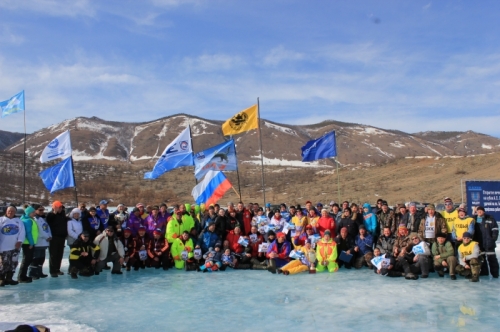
x: 384, y: 203
x: 155, y: 207
x: 138, y: 205
x: 103, y: 202
x: 210, y: 223
x: 441, y: 235
x: 280, y: 234
x: 332, y: 202
x: 268, y: 204
x: 467, y: 234
x: 327, y: 232
x: 431, y: 207
x: 85, y: 233
x: 271, y: 232
x: 309, y: 227
x: 75, y: 210
x: 480, y: 208
x: 218, y: 244
x: 309, y: 241
x: 319, y: 204
x: 157, y: 231
x: 29, y: 210
x: 462, y: 210
x: 142, y: 227
x: 92, y: 208
x: 36, y: 206
x: 127, y: 230
x: 447, y: 199
x: 56, y: 204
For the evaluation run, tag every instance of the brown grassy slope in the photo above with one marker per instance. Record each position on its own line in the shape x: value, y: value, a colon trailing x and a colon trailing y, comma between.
x: 425, y: 180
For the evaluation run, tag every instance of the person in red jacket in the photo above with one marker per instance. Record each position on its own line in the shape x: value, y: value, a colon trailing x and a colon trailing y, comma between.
x: 233, y: 237
x: 256, y: 239
x: 129, y: 247
x: 244, y: 217
x: 157, y: 251
x: 326, y: 222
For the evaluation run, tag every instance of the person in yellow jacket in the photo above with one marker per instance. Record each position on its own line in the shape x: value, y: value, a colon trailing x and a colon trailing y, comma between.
x: 300, y: 221
x: 182, y: 250
x: 299, y: 265
x: 450, y: 214
x: 326, y: 254
x: 177, y: 225
x: 468, y: 258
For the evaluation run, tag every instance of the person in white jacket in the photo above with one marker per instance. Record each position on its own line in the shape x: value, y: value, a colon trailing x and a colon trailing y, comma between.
x: 44, y: 236
x: 75, y: 227
x: 111, y: 251
x: 12, y: 236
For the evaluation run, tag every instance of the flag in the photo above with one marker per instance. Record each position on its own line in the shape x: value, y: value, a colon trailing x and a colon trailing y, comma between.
x: 12, y: 105
x: 212, y: 188
x: 221, y: 157
x: 59, y: 176
x: 243, y: 121
x: 323, y: 147
x: 177, y: 154
x: 59, y: 147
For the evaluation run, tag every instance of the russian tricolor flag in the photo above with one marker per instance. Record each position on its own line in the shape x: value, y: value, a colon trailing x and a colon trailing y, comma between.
x: 212, y: 188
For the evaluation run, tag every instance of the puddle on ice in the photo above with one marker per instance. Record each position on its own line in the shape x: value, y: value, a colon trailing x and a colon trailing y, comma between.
x: 155, y: 300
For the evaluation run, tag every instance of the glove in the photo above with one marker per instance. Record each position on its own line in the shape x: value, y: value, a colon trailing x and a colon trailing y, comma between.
x: 177, y: 258
x: 174, y: 236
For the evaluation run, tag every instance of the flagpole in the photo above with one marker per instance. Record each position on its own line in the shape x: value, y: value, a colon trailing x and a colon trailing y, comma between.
x: 24, y: 154
x: 338, y: 179
x: 261, y: 154
x: 74, y: 179
x: 237, y: 168
x: 192, y: 147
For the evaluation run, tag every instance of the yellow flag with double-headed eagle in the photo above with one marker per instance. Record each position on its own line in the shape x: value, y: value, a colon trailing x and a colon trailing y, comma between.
x: 243, y: 121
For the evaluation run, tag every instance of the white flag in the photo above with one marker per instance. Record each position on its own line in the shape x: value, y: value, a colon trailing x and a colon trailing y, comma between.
x: 59, y: 147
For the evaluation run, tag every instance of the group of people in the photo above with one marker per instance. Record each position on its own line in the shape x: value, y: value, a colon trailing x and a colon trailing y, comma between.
x: 399, y: 242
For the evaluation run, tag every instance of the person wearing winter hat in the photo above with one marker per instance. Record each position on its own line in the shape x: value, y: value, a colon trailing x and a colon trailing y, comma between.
x: 277, y: 253
x: 363, y: 249
x: 208, y: 238
x: 83, y: 256
x: 58, y: 223
x: 486, y: 234
x: 28, y: 247
x: 431, y: 224
x: 326, y: 253
x: 75, y: 227
x: 141, y: 245
x: 450, y: 214
x: 158, y: 256
x: 44, y: 237
x: 103, y: 212
x: 444, y: 256
x: 129, y: 247
x: 111, y: 251
x: 468, y: 258
x: 462, y: 224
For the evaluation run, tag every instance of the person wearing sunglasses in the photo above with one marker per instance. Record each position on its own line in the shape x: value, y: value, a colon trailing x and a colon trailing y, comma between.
x: 111, y: 251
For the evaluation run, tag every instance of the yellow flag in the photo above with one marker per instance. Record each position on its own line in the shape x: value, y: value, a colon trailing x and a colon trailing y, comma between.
x: 241, y: 122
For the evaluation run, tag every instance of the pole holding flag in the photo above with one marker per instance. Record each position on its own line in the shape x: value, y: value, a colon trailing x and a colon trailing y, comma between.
x: 10, y: 106
x: 177, y: 154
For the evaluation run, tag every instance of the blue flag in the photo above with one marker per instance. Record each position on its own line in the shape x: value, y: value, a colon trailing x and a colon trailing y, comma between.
x: 59, y: 176
x: 12, y: 105
x: 221, y: 157
x: 177, y: 154
x: 323, y: 147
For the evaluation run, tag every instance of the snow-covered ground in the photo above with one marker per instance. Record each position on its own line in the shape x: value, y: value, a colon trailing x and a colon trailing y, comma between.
x: 155, y: 300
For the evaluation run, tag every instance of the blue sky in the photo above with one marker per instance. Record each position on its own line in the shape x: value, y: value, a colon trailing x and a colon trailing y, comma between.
x: 407, y: 65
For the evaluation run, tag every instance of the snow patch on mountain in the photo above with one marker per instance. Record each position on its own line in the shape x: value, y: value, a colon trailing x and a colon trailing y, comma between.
x: 280, y: 128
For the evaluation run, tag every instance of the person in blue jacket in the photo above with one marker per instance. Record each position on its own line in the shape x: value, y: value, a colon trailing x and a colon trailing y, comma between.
x: 208, y: 238
x: 363, y: 249
x: 103, y: 213
x: 370, y: 219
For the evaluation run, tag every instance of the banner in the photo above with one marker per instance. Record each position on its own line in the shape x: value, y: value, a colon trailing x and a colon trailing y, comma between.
x: 59, y: 176
x: 323, y: 147
x: 221, y: 157
x: 13, y: 105
x: 59, y: 147
x: 177, y: 154
x: 243, y: 121
x: 485, y: 194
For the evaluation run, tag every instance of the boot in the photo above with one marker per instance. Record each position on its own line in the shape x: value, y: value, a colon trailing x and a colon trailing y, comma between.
x: 8, y: 279
x: 2, y: 280
x: 243, y: 266
x: 439, y: 270
x: 40, y: 272
x: 411, y: 276
x: 453, y: 277
x: 272, y: 266
x: 259, y: 267
x: 475, y: 278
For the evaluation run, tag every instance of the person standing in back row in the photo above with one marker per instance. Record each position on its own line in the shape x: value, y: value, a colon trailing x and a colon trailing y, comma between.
x: 58, y: 224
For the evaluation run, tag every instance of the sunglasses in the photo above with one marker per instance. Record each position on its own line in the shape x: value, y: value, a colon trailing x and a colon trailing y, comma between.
x: 448, y: 204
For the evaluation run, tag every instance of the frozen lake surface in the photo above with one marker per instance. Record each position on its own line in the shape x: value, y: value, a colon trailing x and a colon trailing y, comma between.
x: 155, y: 300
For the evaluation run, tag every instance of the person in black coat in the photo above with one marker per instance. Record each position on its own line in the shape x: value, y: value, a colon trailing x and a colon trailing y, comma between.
x: 347, y: 222
x: 345, y: 243
x: 220, y: 225
x: 58, y: 223
x: 486, y: 234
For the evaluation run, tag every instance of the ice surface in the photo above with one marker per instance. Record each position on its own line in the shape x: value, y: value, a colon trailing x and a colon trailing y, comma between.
x: 155, y: 300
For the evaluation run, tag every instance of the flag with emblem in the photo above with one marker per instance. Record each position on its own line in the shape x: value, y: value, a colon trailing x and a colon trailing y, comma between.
x: 243, y: 121
x: 13, y: 105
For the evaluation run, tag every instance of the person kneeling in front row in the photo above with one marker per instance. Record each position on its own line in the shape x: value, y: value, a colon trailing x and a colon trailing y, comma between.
x: 444, y: 256
x: 83, y: 256
x: 111, y: 251
x: 468, y: 257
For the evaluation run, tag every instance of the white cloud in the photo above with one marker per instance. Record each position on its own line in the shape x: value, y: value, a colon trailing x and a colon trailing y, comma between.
x: 280, y: 54
x: 9, y: 37
x: 70, y: 8
x: 212, y: 62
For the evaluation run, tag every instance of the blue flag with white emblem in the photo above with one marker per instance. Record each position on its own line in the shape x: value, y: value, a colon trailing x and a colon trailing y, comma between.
x: 177, y: 154
x: 59, y: 176
x: 221, y: 157
x: 323, y: 147
x: 12, y: 105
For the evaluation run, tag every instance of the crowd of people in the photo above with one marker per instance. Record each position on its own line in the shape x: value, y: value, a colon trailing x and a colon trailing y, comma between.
x: 399, y: 242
